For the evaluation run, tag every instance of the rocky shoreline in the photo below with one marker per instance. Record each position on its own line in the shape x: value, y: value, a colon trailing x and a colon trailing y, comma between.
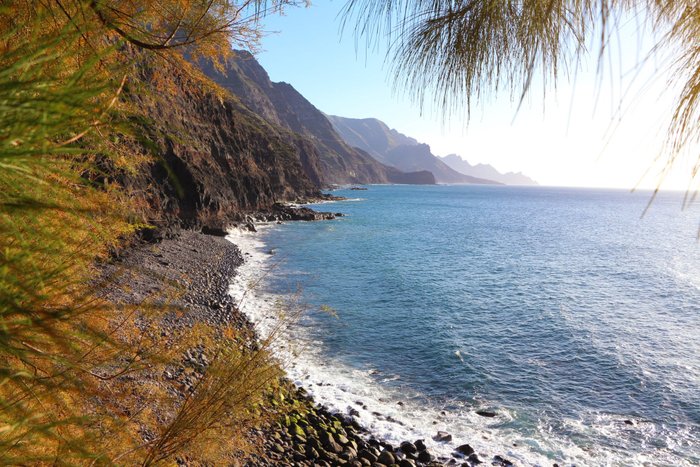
x: 306, y: 435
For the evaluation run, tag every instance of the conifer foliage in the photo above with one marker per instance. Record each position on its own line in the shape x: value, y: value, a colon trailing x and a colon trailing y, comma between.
x: 68, y: 357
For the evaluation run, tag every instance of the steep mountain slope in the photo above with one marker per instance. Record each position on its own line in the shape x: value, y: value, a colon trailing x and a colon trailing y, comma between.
x: 396, y: 149
x: 419, y: 157
x: 281, y: 105
x: 370, y: 135
x: 215, y: 160
x: 383, y: 143
x: 487, y: 171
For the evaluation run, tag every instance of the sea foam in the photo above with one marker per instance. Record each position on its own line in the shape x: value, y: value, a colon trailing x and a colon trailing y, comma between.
x: 387, y: 414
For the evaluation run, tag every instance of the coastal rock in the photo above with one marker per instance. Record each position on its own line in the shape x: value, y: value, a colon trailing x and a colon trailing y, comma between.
x: 280, y: 211
x: 442, y: 436
x: 486, y: 413
x: 216, y: 231
x: 386, y: 457
x: 366, y: 454
x: 408, y: 447
x: 420, y: 445
x: 465, y: 450
x: 502, y: 462
x: 216, y: 160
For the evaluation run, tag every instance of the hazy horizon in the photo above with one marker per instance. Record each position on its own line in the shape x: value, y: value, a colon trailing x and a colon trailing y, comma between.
x: 579, y: 135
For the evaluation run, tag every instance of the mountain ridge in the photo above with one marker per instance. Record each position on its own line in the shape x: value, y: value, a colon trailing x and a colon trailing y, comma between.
x: 383, y: 143
x: 282, y: 105
x: 488, y: 171
x: 393, y: 148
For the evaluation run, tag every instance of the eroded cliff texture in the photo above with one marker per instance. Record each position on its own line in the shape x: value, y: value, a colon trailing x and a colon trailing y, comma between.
x: 213, y: 160
x: 282, y: 105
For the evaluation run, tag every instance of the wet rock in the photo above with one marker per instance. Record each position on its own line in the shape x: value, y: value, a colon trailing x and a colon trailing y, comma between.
x: 386, y: 457
x: 420, y: 445
x: 425, y: 456
x: 442, y: 436
x: 294, y: 213
x: 408, y: 447
x: 502, y: 462
x: 465, y: 450
x: 486, y: 413
x: 366, y: 454
x: 217, y: 231
x: 474, y: 459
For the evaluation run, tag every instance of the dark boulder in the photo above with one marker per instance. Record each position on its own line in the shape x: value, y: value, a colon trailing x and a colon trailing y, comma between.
x: 366, y: 454
x: 442, y: 436
x: 502, y: 461
x: 474, y: 459
x: 465, y: 450
x: 408, y: 447
x: 386, y: 457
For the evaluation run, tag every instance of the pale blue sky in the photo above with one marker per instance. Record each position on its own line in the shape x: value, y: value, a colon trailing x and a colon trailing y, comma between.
x: 571, y: 138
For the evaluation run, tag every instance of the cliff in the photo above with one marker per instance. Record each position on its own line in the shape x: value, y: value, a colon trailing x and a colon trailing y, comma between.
x: 370, y: 135
x: 212, y: 159
x: 283, y: 106
x: 398, y: 150
x: 419, y: 157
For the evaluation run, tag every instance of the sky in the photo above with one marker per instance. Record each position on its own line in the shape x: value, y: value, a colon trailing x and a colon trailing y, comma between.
x: 595, y: 129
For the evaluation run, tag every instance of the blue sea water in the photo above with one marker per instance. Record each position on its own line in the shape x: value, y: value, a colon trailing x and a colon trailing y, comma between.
x: 563, y: 311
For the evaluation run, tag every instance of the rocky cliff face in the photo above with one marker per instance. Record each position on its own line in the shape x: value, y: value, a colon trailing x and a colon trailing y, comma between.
x: 281, y: 105
x: 398, y: 150
x: 213, y: 159
x: 370, y: 135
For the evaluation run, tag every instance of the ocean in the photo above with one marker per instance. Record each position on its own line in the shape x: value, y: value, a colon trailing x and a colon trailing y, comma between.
x: 546, y: 325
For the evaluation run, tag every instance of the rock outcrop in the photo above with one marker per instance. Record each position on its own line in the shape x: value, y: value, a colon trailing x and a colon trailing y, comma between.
x: 212, y: 159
